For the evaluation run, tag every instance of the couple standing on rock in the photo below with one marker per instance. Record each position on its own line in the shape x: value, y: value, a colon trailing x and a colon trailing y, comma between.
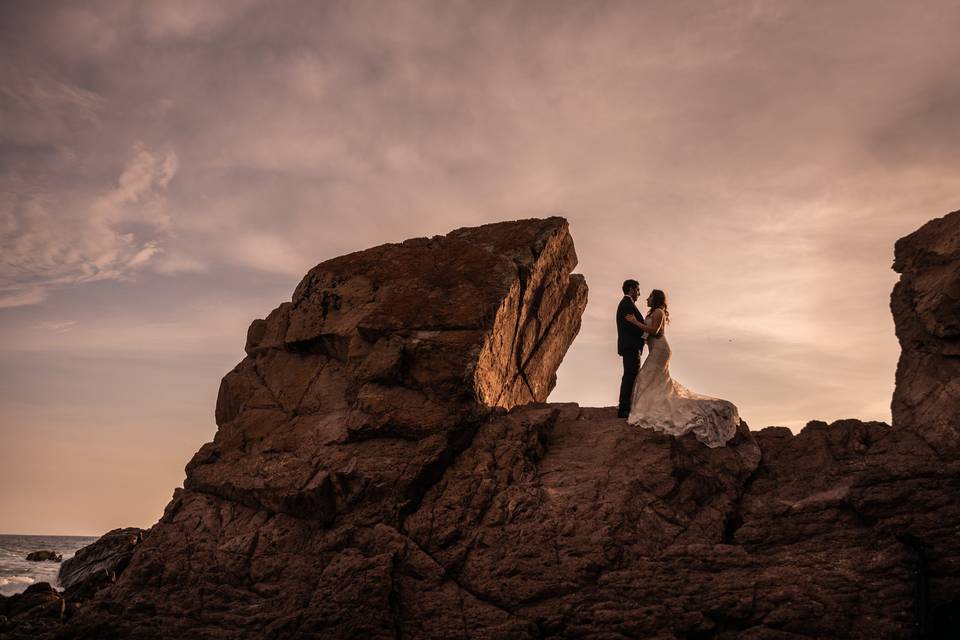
x: 649, y: 397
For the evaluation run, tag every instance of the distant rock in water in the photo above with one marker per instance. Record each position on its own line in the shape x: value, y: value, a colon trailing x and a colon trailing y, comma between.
x: 44, y: 556
x: 99, y: 563
x: 385, y: 467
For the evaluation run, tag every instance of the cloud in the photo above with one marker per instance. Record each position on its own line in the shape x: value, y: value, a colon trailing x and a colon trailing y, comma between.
x: 197, y: 322
x: 137, y: 195
x: 59, y: 326
x: 182, y: 19
x: 269, y: 253
x: 49, y: 242
x: 22, y: 296
x: 37, y: 107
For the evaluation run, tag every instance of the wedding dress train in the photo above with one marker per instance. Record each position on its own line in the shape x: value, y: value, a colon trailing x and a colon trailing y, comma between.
x: 661, y: 403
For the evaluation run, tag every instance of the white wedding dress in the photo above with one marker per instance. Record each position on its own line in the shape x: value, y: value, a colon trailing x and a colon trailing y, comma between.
x: 661, y: 403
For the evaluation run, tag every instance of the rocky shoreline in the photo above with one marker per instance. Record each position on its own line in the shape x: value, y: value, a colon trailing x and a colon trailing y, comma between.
x: 386, y: 467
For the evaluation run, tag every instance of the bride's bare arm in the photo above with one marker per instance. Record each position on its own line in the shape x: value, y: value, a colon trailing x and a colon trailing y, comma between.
x: 656, y: 321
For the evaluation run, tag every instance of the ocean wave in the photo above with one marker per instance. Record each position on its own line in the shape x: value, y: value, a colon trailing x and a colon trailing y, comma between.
x: 4, y: 581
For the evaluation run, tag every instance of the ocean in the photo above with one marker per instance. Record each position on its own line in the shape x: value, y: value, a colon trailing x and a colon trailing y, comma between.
x: 17, y: 573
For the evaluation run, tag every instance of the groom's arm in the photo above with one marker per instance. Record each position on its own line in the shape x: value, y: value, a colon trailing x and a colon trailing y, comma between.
x: 623, y: 310
x: 639, y: 317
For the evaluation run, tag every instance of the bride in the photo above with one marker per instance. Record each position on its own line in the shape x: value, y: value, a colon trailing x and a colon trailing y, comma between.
x: 661, y: 403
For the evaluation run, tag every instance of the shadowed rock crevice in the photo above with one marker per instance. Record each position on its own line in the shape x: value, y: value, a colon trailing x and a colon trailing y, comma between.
x: 385, y: 467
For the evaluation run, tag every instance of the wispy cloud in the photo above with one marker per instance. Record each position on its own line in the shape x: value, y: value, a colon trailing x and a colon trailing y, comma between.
x: 59, y: 325
x: 37, y: 107
x: 48, y: 242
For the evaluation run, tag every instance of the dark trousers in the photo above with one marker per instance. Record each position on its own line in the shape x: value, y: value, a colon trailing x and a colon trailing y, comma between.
x: 631, y: 365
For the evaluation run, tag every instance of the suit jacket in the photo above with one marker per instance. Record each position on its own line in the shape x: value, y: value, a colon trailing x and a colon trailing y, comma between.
x: 629, y: 335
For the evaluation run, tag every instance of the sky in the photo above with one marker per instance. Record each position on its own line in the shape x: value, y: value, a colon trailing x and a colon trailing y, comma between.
x: 169, y: 171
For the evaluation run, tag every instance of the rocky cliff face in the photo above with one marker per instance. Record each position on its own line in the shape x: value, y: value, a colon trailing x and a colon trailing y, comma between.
x: 358, y: 393
x: 385, y: 468
x: 926, y: 307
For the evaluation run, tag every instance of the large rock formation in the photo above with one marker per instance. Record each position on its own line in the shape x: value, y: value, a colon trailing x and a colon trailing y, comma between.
x: 356, y: 395
x: 353, y: 400
x: 926, y: 307
x: 385, y: 467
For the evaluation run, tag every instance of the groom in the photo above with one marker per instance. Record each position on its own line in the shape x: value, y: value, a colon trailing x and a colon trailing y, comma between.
x: 629, y: 343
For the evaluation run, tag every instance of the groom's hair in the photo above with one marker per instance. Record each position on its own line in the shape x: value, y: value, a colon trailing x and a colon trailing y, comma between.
x: 630, y: 284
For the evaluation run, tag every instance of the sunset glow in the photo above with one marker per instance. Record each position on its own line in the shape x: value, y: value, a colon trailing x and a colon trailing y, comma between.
x: 170, y: 170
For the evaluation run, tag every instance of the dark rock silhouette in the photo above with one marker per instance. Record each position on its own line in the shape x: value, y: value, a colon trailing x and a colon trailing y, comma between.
x: 36, y: 611
x: 385, y: 467
x: 926, y: 307
x: 44, y: 555
x: 98, y: 564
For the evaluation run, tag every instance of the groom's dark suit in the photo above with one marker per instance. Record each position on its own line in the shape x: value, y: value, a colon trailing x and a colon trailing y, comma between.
x: 629, y: 346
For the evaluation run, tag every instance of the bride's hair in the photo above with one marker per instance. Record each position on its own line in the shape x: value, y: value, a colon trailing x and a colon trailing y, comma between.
x: 660, y: 302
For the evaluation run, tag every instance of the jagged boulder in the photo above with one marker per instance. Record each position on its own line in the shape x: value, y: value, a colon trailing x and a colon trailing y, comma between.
x: 37, y: 611
x: 44, y: 555
x: 99, y: 563
x: 926, y: 310
x: 359, y: 390
x: 38, y: 600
